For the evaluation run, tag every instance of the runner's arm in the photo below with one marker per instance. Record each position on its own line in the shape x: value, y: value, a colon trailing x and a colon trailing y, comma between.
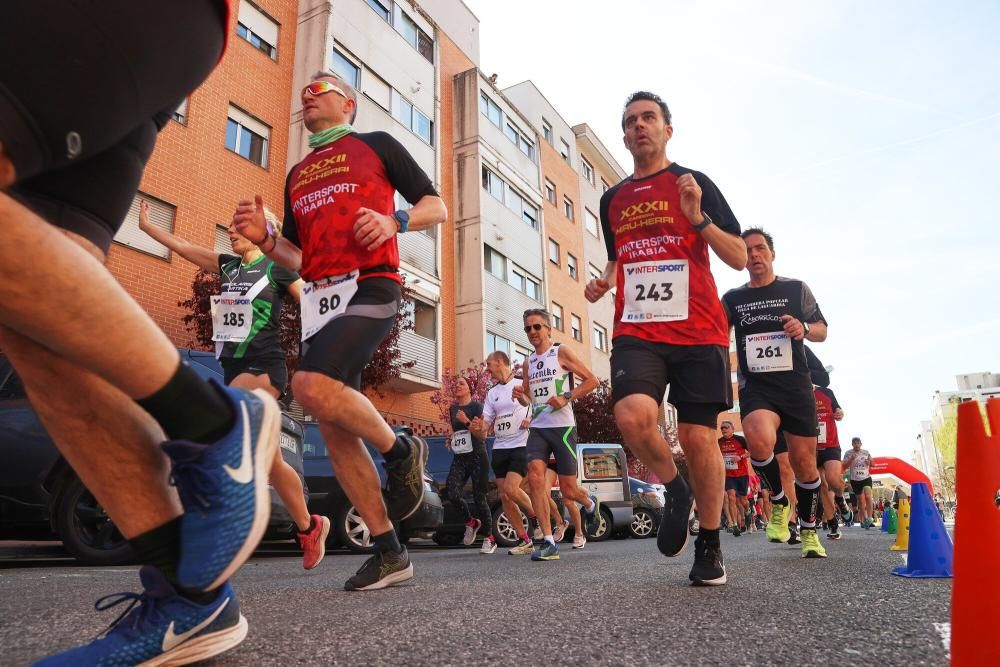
x: 427, y: 213
x: 250, y: 222
x: 206, y: 260
x: 730, y: 248
x: 573, y: 364
x: 295, y: 290
x: 595, y: 289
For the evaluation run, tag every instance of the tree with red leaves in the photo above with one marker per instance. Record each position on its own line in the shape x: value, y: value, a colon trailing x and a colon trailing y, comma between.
x: 384, y: 366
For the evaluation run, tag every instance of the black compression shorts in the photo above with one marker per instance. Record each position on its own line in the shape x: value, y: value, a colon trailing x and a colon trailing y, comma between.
x: 343, y: 347
x: 513, y: 460
x: 84, y: 88
x: 698, y: 376
x: 795, y: 406
x: 780, y: 444
x: 275, y: 369
x: 859, y: 487
x: 828, y: 454
x: 741, y: 485
x: 558, y: 441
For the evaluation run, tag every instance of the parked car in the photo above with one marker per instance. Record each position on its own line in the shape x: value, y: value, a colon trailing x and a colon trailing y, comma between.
x: 348, y: 529
x: 600, y: 473
x: 42, y: 498
x: 647, y: 508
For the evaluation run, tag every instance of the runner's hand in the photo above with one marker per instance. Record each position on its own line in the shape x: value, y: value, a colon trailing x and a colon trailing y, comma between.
x: 557, y: 402
x: 690, y: 193
x: 525, y: 424
x: 838, y: 414
x: 517, y: 393
x: 372, y: 229
x: 144, y: 215
x: 249, y: 219
x: 460, y: 416
x: 595, y: 289
x: 793, y: 327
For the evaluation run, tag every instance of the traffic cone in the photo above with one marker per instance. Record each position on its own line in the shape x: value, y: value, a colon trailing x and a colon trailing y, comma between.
x: 976, y: 588
x: 903, y: 527
x: 930, y: 546
x: 891, y: 529
x: 885, y: 520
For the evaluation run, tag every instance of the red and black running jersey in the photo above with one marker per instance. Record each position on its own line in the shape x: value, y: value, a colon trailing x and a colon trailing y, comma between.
x: 733, y: 450
x: 324, y: 192
x: 826, y: 405
x: 642, y: 222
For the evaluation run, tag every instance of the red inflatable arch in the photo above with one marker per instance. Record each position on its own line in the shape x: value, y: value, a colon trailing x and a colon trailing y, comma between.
x: 900, y: 469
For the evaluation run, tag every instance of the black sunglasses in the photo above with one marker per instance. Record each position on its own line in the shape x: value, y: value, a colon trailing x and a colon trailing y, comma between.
x: 528, y: 328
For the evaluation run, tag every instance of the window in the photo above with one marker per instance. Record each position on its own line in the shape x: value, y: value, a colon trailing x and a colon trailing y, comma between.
x: 601, y: 464
x: 593, y: 272
x: 181, y: 112
x: 600, y: 336
x: 345, y: 68
x: 520, y: 357
x: 496, y: 263
x: 547, y: 131
x: 510, y: 132
x: 222, y: 243
x: 550, y: 191
x: 495, y: 342
x: 247, y: 136
x: 604, y: 186
x: 380, y: 9
x: 259, y: 29
x: 557, y: 316
x: 510, y: 198
x: 591, y: 222
x: 526, y: 146
x: 564, y: 149
x: 520, y: 280
x: 423, y: 316
x: 568, y: 207
x: 489, y: 108
x: 161, y: 214
x: 377, y: 90
x: 417, y: 38
x: 571, y: 266
x: 411, y: 117
x: 576, y: 327
x: 554, y: 252
x: 588, y: 170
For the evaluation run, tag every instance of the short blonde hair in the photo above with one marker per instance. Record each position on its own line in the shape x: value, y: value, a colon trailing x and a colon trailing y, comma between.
x: 273, y: 219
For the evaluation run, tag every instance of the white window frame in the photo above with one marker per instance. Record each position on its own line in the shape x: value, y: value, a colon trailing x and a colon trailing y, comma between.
x: 588, y: 170
x: 258, y: 24
x: 252, y: 125
x: 576, y: 327
x: 554, y: 246
x: 591, y: 222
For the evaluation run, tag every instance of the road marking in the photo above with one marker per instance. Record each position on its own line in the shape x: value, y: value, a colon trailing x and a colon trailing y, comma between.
x: 944, y: 629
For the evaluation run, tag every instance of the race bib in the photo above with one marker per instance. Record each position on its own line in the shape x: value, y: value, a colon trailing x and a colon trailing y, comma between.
x: 232, y: 316
x: 732, y: 461
x: 461, y: 442
x: 769, y: 352
x: 504, y: 426
x: 656, y: 291
x: 821, y: 438
x: 325, y: 300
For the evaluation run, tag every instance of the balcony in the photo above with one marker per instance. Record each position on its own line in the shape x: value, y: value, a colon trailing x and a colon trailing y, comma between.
x: 425, y: 375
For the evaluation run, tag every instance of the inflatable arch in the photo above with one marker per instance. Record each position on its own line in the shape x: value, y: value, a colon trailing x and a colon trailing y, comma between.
x: 901, y: 470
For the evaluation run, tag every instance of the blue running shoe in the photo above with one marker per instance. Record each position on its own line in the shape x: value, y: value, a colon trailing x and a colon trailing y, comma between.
x: 592, y: 520
x: 545, y: 551
x: 223, y: 488
x: 159, y: 628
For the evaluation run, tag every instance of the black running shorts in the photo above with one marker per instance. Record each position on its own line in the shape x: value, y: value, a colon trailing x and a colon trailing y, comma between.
x: 859, y: 487
x: 275, y: 369
x: 343, y: 348
x: 560, y: 441
x: 698, y: 375
x: 741, y: 485
x: 85, y: 85
x: 796, y: 406
x: 513, y: 460
x: 828, y: 454
x: 780, y: 444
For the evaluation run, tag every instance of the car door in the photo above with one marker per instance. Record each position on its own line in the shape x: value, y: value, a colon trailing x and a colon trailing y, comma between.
x: 601, y: 471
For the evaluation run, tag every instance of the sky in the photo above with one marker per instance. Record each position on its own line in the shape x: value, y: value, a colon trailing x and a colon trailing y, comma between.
x: 864, y: 136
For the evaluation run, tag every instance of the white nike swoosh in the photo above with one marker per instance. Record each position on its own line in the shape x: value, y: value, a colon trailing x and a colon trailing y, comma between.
x: 243, y: 474
x: 170, y: 640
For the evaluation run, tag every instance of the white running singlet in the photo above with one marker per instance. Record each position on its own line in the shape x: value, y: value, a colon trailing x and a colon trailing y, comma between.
x: 506, y: 415
x: 547, y: 378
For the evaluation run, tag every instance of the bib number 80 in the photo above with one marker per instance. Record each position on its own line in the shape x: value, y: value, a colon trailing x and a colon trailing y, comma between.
x: 650, y: 292
x: 328, y: 304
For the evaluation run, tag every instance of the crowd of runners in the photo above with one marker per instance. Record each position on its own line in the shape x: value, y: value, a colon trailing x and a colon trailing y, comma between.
x: 182, y: 465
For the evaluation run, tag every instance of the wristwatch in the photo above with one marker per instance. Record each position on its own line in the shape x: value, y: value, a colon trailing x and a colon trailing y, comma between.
x: 805, y: 327
x: 704, y: 223
x: 403, y: 218
x: 568, y: 395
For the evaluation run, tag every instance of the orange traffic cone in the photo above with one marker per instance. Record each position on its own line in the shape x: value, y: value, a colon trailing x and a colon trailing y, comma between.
x: 903, y: 528
x: 977, y: 539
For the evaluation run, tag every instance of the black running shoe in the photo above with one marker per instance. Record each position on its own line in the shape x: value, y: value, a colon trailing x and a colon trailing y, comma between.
x: 793, y: 534
x: 381, y: 570
x: 673, y: 534
x: 592, y: 520
x: 708, y: 569
x: 405, y: 484
x: 736, y: 531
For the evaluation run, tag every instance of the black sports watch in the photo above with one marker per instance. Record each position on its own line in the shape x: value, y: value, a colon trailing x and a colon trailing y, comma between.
x: 704, y: 223
x: 403, y: 218
x: 568, y: 395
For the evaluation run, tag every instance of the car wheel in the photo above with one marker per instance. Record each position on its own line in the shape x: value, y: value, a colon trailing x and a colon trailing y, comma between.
x: 352, y: 532
x: 604, y: 529
x: 86, y: 530
x: 643, y: 523
x: 504, y: 530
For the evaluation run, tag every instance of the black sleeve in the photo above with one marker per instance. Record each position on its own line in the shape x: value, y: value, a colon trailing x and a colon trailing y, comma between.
x: 609, y: 236
x: 713, y: 203
x: 833, y: 398
x: 726, y: 308
x: 810, y: 309
x: 226, y: 259
x: 743, y: 441
x: 403, y: 171
x: 282, y: 277
x: 288, y: 228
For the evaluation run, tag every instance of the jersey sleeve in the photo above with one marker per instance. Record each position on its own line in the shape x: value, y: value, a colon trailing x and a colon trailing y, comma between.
x: 743, y: 442
x: 609, y: 235
x: 489, y: 414
x: 810, y: 309
x: 281, y: 277
x: 833, y: 399
x: 713, y: 203
x: 402, y: 170
x: 288, y: 226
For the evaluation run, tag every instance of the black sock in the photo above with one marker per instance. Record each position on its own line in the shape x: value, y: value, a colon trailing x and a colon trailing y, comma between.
x: 161, y: 548
x: 387, y: 542
x: 189, y: 408
x: 805, y: 494
x: 677, y: 487
x: 771, y: 474
x: 709, y: 536
x: 399, y: 450
x: 312, y: 524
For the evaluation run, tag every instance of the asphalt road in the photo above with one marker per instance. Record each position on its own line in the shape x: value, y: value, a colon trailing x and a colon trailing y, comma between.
x: 614, y: 603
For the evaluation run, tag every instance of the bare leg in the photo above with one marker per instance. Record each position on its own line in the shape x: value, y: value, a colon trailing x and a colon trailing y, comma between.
x: 636, y: 417
x: 540, y: 495
x: 357, y: 476
x: 707, y: 470
x: 788, y: 482
x: 511, y: 481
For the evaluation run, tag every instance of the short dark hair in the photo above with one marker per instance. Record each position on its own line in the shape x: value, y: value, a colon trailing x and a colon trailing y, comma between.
x: 757, y: 230
x: 498, y: 355
x: 541, y: 312
x: 726, y: 423
x: 640, y: 95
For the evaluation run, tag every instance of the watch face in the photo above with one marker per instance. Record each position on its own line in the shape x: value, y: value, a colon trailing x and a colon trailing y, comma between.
x: 402, y: 216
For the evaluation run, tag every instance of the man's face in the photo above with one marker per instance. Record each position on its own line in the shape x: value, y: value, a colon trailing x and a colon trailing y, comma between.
x: 537, y: 330
x: 496, y: 369
x: 727, y: 431
x: 856, y: 444
x: 646, y: 131
x: 326, y: 109
x: 760, y: 259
